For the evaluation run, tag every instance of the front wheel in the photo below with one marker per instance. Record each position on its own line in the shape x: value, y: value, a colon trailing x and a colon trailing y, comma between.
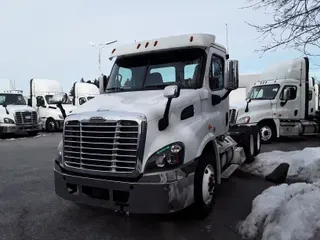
x: 204, y: 186
x: 267, y: 133
x: 51, y: 125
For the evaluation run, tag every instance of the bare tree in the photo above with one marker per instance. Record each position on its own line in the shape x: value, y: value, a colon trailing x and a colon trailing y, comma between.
x: 296, y: 25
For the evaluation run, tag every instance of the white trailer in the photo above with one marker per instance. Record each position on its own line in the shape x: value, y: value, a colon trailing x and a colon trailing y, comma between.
x: 156, y: 141
x: 41, y: 94
x: 15, y: 115
x: 282, y: 102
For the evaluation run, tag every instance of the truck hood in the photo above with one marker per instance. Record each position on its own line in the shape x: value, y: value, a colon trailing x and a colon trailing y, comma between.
x: 237, y: 105
x: 150, y: 103
x: 254, y: 106
x: 67, y: 107
x: 14, y: 108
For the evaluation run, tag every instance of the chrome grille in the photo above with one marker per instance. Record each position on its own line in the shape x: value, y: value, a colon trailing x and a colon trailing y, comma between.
x: 232, y: 118
x: 110, y: 146
x: 26, y: 118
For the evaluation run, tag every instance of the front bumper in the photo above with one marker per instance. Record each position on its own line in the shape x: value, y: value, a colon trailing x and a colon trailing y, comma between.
x: 159, y: 193
x: 13, y: 128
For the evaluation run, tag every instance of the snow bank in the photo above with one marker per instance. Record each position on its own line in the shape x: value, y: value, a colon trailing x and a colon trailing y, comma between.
x: 304, y: 165
x: 285, y: 212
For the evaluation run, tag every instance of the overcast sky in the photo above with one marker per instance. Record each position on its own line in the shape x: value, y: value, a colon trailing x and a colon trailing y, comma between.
x: 50, y: 39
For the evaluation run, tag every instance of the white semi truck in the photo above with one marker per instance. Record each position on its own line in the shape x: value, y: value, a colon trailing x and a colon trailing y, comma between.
x: 84, y: 92
x: 158, y: 138
x: 15, y: 115
x: 41, y: 93
x: 282, y: 102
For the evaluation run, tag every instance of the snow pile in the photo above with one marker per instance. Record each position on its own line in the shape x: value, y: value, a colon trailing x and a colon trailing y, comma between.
x: 284, y: 212
x: 304, y: 165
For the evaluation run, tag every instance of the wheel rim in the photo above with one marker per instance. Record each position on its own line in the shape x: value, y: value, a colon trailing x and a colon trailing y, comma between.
x: 51, y: 126
x: 258, y: 141
x: 251, y: 145
x: 266, y: 133
x: 208, y: 184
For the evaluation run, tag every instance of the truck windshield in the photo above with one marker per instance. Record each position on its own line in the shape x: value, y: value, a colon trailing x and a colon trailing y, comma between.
x: 265, y: 92
x: 157, y: 70
x: 12, y: 99
x: 49, y: 97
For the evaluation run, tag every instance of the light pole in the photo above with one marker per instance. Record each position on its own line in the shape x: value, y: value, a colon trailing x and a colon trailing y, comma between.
x: 100, y: 47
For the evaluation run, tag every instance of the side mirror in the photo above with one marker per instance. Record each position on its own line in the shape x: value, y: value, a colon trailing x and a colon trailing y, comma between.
x: 287, y: 94
x: 40, y: 103
x: 231, y: 82
x: 103, y: 81
x: 58, y: 99
x: 171, y: 91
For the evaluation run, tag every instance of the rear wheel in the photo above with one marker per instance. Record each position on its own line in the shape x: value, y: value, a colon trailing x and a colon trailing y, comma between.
x: 249, y: 148
x: 258, y: 144
x: 204, y: 186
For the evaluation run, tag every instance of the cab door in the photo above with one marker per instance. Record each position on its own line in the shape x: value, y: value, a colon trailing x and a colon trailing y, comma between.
x: 289, y: 109
x: 218, y: 112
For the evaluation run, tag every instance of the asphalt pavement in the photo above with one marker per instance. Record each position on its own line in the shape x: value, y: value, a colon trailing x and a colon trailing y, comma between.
x: 29, y: 208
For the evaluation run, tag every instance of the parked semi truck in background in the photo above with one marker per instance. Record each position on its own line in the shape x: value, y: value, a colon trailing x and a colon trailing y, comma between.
x: 158, y: 138
x: 283, y: 102
x: 238, y: 97
x: 84, y: 92
x: 41, y: 93
x: 15, y: 115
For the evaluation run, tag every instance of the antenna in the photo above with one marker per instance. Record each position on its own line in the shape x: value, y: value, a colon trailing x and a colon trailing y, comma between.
x: 227, y: 41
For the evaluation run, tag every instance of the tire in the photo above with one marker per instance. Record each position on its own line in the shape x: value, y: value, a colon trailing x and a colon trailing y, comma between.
x: 267, y: 133
x: 204, y: 186
x: 249, y: 148
x: 51, y: 125
x: 33, y: 133
x: 258, y: 143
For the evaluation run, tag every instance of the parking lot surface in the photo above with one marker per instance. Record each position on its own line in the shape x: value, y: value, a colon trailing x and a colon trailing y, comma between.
x: 29, y: 208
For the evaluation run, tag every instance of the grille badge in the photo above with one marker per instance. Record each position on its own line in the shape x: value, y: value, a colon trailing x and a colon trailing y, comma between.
x: 97, y: 119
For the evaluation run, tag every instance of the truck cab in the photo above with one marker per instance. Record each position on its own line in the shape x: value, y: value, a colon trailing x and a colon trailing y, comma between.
x: 282, y: 102
x: 41, y: 94
x: 84, y: 92
x: 157, y: 139
x: 15, y: 115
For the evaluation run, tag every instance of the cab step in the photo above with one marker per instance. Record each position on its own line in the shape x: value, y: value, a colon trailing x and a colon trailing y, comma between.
x: 229, y: 171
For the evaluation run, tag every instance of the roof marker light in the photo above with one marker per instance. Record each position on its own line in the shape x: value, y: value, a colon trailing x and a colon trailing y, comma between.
x: 147, y: 44
x: 191, y: 38
x: 155, y: 43
x: 139, y: 45
x: 113, y: 51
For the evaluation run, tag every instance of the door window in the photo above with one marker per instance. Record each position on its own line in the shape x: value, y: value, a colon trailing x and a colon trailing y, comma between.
x: 293, y: 90
x: 216, y: 73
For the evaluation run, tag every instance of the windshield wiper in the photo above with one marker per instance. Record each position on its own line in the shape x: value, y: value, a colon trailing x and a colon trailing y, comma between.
x: 155, y: 86
x: 115, y: 89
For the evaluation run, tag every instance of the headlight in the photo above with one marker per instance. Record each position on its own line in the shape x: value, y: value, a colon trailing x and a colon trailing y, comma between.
x: 243, y: 120
x: 8, y: 120
x: 166, y: 158
x: 59, y: 154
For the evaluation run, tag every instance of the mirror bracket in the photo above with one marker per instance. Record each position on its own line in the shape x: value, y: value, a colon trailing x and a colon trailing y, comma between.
x: 170, y: 92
